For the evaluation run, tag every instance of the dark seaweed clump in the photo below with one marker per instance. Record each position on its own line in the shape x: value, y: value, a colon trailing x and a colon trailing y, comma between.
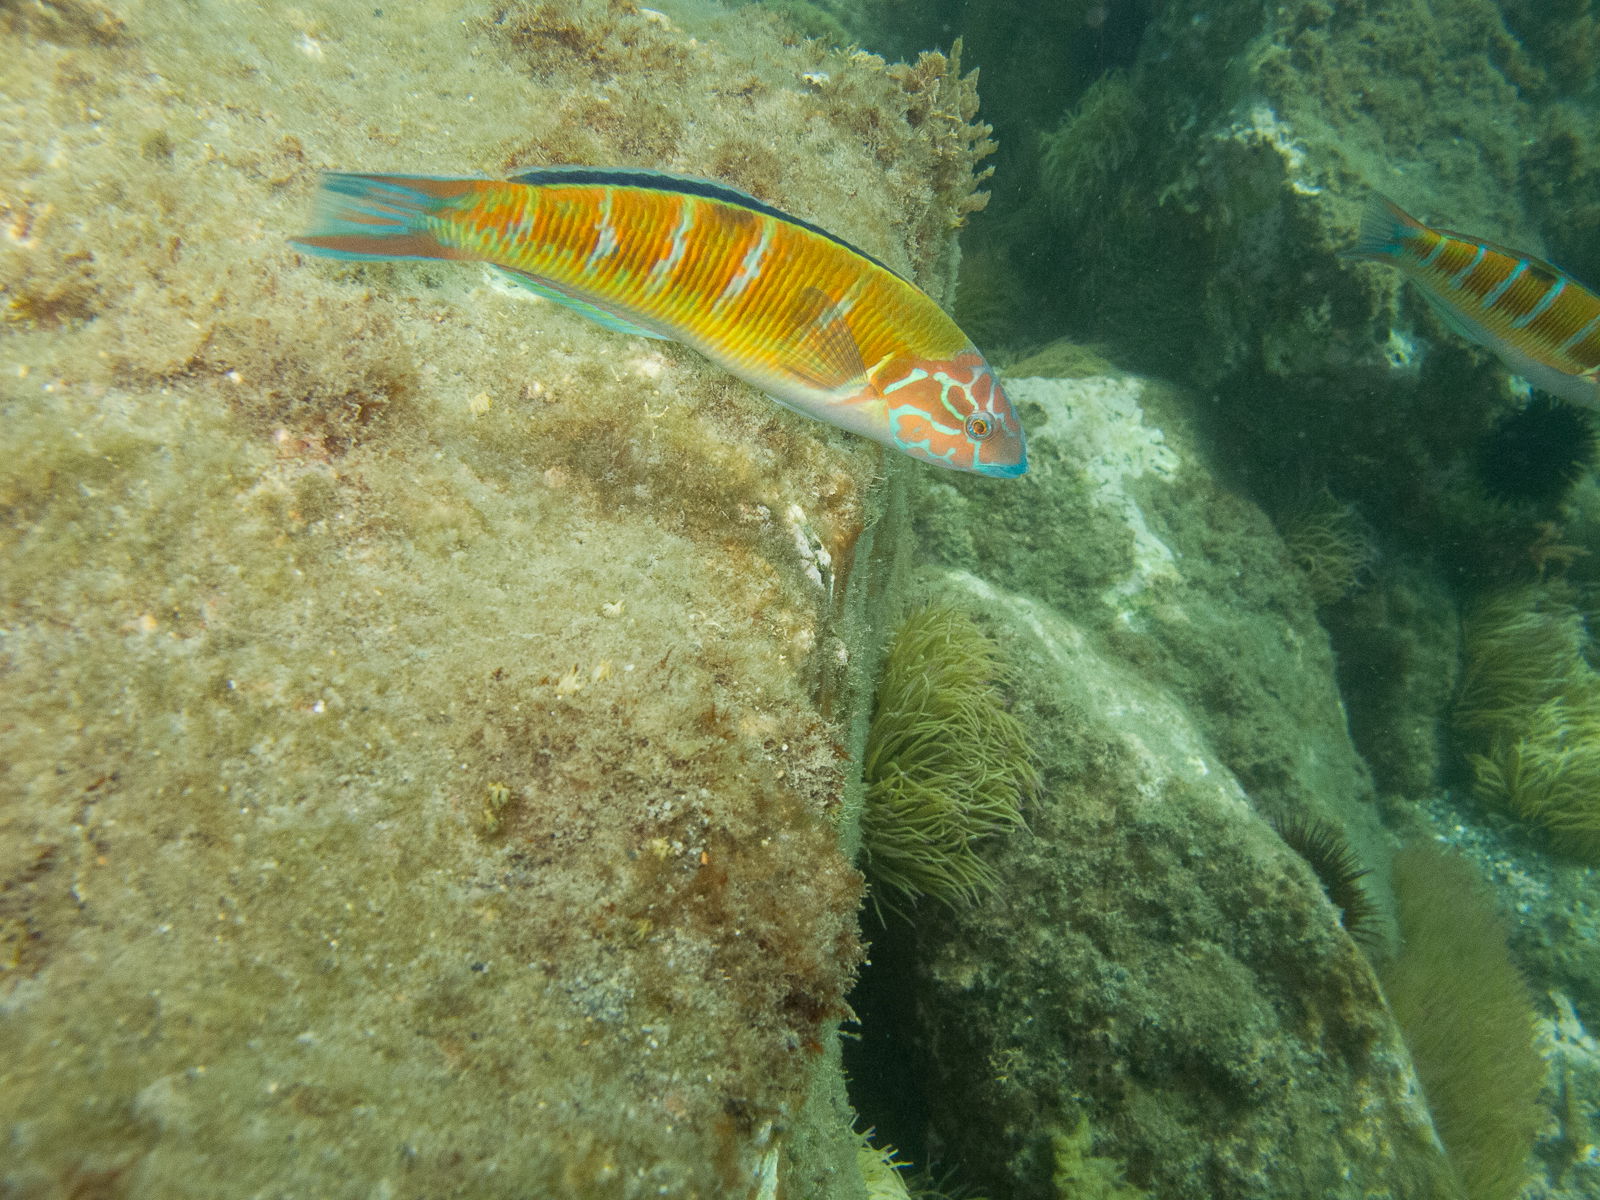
x: 1534, y: 455
x: 1338, y: 870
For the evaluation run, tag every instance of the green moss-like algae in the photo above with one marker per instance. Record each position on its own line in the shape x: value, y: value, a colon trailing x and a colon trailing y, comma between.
x: 1468, y: 1020
x: 1080, y: 1174
x: 1096, y: 141
x: 1548, y: 773
x: 1327, y: 541
x: 1524, y: 647
x: 946, y: 765
x: 1529, y: 713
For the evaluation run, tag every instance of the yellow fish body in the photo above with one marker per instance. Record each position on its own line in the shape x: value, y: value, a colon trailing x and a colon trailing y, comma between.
x: 1543, y: 324
x: 815, y: 323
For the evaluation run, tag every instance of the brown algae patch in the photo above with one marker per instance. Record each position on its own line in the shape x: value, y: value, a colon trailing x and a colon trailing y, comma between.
x: 309, y: 567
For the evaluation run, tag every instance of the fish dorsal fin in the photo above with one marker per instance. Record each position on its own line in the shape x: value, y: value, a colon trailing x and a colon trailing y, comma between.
x: 822, y: 352
x: 1535, y: 263
x: 587, y: 308
x: 638, y: 177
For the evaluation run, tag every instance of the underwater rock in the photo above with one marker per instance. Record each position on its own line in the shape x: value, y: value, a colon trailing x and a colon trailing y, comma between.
x: 1129, y: 531
x: 426, y: 714
x: 1176, y: 183
x: 1157, y: 960
x: 1157, y: 981
x: 1397, y: 642
x: 1326, y: 373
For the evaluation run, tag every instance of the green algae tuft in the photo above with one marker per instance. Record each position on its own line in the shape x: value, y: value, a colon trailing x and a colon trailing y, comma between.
x: 1330, y: 545
x: 1468, y: 1020
x: 1529, y: 713
x: 1083, y: 156
x: 1080, y: 1174
x: 946, y: 765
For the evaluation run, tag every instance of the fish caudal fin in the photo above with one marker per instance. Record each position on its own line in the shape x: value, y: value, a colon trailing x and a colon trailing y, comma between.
x: 1385, y: 229
x: 380, y: 216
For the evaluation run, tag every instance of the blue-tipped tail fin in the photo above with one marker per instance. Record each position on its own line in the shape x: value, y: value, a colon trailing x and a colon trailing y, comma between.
x: 366, y: 217
x: 1385, y: 229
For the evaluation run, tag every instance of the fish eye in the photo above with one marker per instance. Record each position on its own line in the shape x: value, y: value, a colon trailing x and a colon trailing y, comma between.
x: 981, y: 426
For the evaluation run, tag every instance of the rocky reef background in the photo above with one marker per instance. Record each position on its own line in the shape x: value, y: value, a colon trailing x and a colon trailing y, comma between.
x: 431, y: 725
x: 1173, y: 186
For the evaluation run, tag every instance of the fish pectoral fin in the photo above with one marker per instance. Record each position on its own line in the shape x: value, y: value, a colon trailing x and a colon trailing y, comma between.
x: 822, y: 353
x: 1456, y: 322
x: 587, y: 308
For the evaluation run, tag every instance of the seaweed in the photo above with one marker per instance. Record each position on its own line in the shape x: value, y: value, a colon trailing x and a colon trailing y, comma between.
x: 1330, y: 545
x: 1086, y: 151
x: 1468, y: 1019
x: 1529, y: 714
x: 946, y: 765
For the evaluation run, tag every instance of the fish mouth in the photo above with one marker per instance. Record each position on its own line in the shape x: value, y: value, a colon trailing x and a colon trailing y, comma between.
x: 1005, y: 470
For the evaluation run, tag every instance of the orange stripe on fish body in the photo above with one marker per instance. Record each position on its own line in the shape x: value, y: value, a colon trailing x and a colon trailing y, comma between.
x: 817, y: 324
x: 1543, y: 324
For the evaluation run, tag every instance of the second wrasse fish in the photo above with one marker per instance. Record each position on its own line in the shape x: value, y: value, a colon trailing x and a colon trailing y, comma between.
x: 815, y: 323
x: 1544, y: 325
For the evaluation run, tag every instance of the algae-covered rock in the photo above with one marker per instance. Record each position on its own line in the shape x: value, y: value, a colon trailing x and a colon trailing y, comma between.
x: 1121, y: 529
x: 1175, y: 184
x: 1157, y: 996
x: 425, y: 714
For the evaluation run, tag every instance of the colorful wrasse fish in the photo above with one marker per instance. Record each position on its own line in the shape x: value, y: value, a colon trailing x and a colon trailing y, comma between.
x: 1544, y: 325
x: 815, y: 323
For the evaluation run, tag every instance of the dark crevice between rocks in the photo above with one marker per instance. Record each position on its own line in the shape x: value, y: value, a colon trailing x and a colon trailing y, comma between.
x: 887, y: 1061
